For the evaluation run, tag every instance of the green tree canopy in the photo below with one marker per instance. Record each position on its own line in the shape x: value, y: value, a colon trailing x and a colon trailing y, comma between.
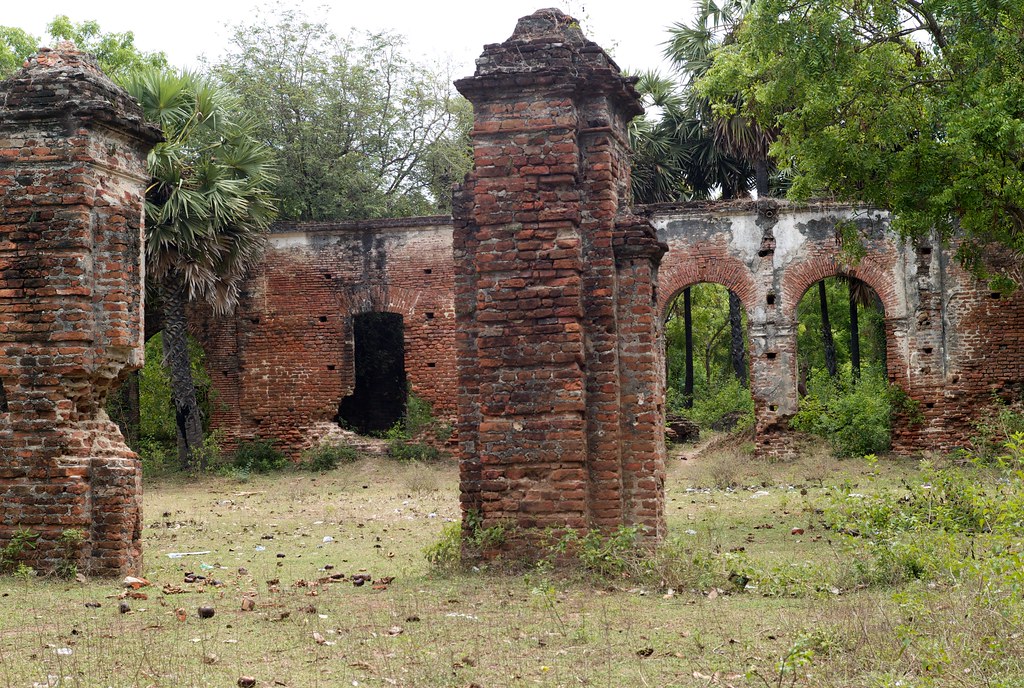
x: 915, y: 106
x: 16, y: 46
x: 361, y: 130
x: 115, y: 52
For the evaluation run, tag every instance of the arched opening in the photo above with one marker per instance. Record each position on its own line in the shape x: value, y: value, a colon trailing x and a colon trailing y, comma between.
x: 378, y: 399
x: 841, y: 366
x: 707, y: 359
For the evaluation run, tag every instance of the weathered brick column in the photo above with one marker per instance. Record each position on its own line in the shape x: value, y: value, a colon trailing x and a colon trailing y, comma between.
x: 560, y: 359
x: 72, y: 173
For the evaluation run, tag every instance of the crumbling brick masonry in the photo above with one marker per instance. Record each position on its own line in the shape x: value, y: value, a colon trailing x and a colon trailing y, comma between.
x: 560, y: 367
x: 72, y: 176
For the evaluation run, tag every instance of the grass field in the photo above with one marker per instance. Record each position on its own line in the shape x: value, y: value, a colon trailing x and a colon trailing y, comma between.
x: 804, y: 617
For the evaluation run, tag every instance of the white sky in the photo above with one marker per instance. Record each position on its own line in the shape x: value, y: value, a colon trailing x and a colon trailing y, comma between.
x: 453, y: 30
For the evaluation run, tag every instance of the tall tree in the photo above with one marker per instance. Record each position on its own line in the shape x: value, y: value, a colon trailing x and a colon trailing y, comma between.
x: 207, y: 209
x: 826, y: 332
x: 916, y: 107
x: 116, y: 52
x: 736, y: 147
x: 361, y: 130
x: 688, y: 329
x: 737, y: 342
x: 16, y: 46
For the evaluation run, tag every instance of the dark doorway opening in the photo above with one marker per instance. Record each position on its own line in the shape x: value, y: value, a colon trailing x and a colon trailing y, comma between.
x: 378, y: 400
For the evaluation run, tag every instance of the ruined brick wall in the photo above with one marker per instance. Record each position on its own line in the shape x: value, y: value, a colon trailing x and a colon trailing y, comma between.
x: 951, y: 343
x: 72, y: 175
x: 559, y: 370
x: 283, y: 361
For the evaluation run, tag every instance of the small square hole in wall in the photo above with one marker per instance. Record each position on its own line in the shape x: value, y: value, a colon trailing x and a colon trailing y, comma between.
x: 771, y: 355
x: 428, y: 271
x: 926, y: 250
x: 3, y: 398
x: 771, y: 299
x: 330, y: 367
x: 254, y: 321
x: 773, y: 408
x: 327, y: 275
x: 429, y: 316
x: 995, y: 295
x: 323, y: 318
x: 927, y: 350
x: 431, y: 365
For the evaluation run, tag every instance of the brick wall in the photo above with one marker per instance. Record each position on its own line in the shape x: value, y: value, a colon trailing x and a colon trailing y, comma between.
x: 282, y: 363
x: 952, y: 344
x: 559, y: 368
x: 72, y: 174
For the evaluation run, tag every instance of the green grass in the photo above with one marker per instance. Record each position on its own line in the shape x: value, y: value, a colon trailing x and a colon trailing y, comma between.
x: 803, y: 621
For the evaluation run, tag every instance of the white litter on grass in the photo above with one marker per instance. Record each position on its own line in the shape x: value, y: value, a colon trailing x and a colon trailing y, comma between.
x: 261, y: 548
x: 690, y: 531
x: 760, y: 493
x: 460, y: 615
x: 64, y: 651
x: 328, y: 538
x: 179, y: 555
x: 431, y: 515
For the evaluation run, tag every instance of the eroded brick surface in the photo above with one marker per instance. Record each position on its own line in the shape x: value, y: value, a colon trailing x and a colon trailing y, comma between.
x: 560, y: 373
x: 282, y: 363
x: 72, y: 175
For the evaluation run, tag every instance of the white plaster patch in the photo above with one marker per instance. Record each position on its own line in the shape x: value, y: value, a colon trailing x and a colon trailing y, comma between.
x: 289, y: 240
x: 788, y: 239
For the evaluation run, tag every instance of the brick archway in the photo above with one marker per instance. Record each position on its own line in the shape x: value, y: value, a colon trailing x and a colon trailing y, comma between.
x: 800, y: 277
x: 727, y: 271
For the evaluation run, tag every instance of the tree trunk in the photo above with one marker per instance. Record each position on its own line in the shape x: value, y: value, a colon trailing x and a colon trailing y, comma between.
x: 854, y: 337
x: 737, y: 345
x: 761, y: 177
x: 826, y: 333
x: 688, y: 330
x: 179, y: 369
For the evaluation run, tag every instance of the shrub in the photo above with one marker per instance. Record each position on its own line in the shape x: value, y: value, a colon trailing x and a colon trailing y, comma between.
x: 995, y: 431
x: 259, y: 456
x: 713, y: 401
x: 855, y: 417
x: 406, y: 437
x: 11, y: 553
x: 458, y: 537
x: 327, y: 457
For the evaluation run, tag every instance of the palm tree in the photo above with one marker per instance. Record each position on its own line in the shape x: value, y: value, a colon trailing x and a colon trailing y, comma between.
x: 737, y: 348
x: 735, y: 154
x: 207, y: 209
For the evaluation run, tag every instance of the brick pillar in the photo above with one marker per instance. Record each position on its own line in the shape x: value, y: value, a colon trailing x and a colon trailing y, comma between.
x: 560, y: 391
x: 72, y: 173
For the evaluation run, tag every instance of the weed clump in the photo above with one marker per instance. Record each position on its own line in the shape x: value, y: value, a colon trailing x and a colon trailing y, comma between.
x: 259, y: 456
x: 416, y: 436
x: 469, y: 539
x: 327, y: 457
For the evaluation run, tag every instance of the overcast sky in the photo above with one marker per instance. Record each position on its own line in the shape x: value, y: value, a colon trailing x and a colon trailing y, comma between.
x: 450, y: 29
